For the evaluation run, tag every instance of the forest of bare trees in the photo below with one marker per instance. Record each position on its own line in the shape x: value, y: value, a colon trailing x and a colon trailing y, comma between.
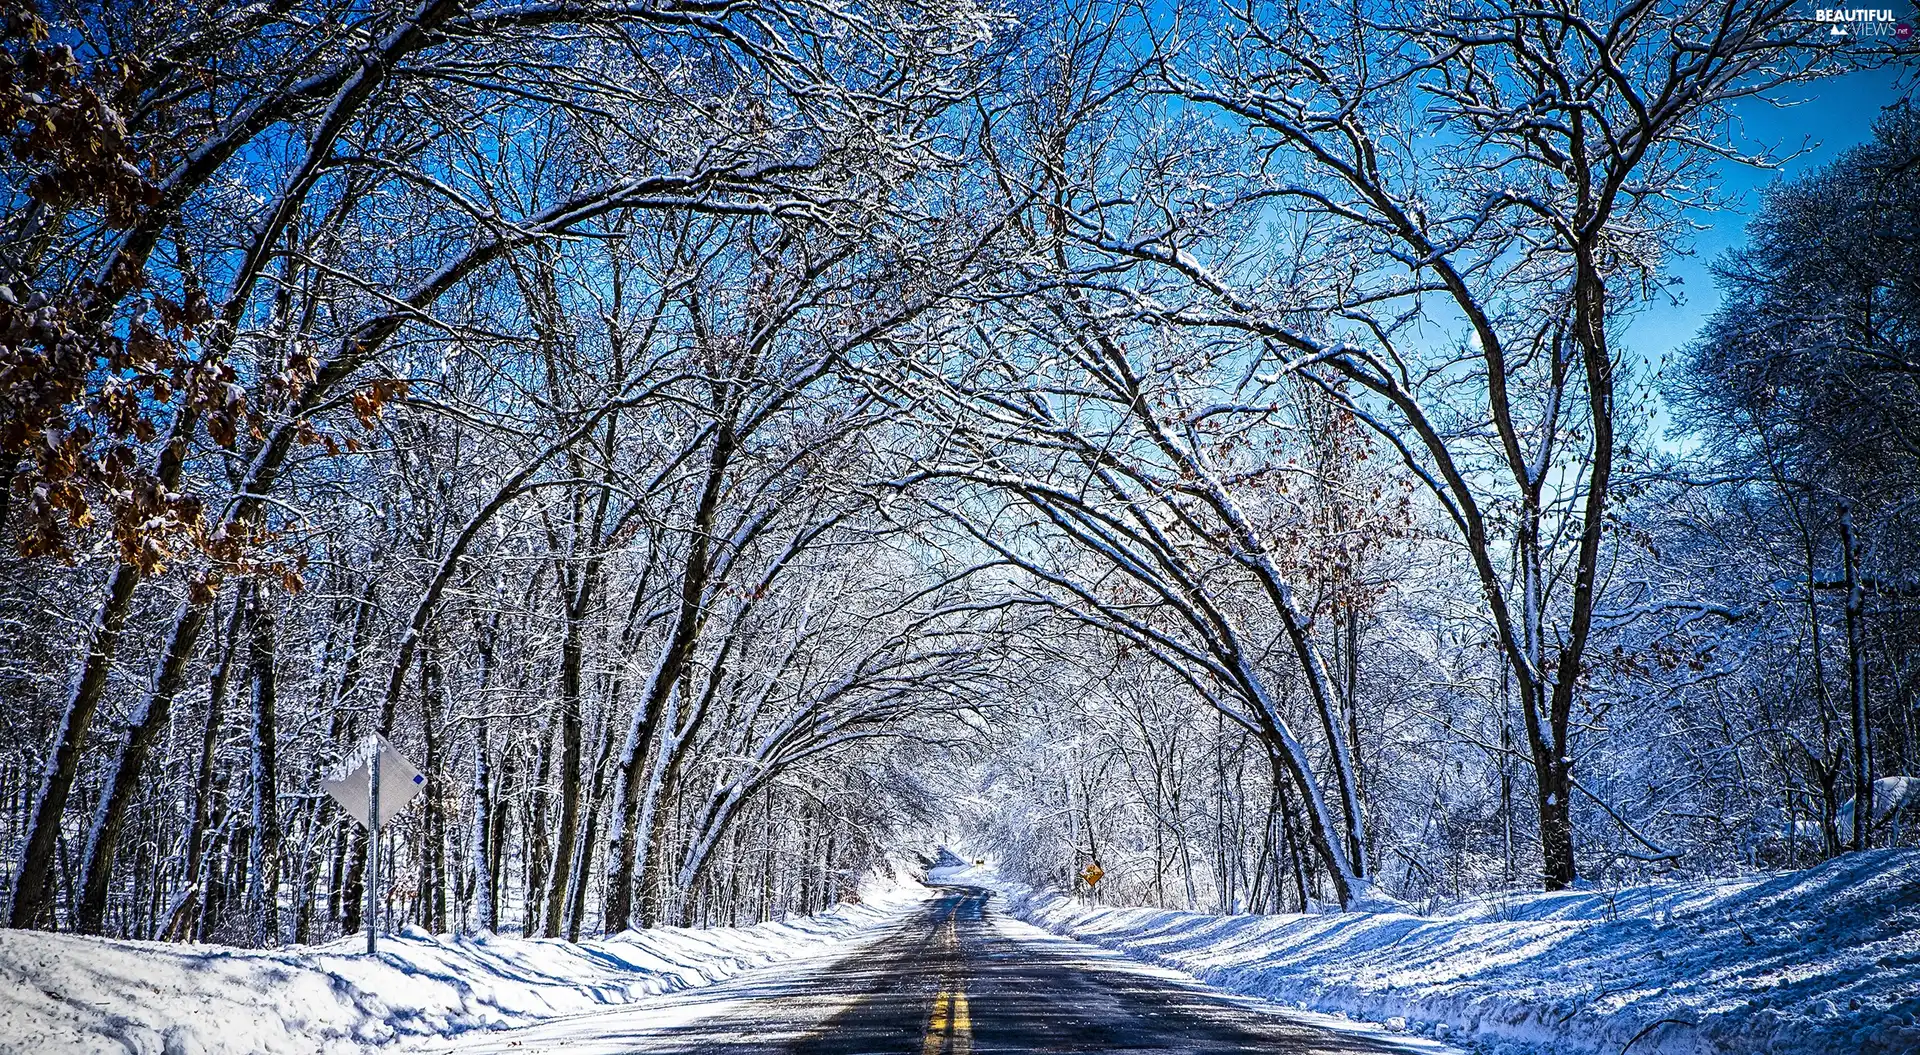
x: 724, y: 443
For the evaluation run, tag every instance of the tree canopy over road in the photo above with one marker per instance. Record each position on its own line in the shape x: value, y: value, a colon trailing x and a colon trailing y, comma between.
x: 717, y: 440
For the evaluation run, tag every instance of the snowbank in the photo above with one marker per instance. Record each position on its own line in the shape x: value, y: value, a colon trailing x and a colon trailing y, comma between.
x: 63, y: 994
x: 1820, y: 962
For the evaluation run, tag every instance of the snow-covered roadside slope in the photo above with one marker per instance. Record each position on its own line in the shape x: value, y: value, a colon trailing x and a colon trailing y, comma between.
x: 1820, y: 962
x: 62, y: 994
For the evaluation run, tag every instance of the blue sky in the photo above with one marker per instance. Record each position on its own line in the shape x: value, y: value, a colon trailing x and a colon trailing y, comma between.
x: 1824, y: 119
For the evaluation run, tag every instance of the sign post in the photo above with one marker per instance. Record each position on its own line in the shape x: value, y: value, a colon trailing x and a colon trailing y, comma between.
x: 373, y: 855
x: 372, y: 798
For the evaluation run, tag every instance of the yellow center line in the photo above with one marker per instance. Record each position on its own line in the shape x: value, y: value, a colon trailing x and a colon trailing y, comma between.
x: 962, y: 1027
x: 937, y: 1028
x: 950, y: 1029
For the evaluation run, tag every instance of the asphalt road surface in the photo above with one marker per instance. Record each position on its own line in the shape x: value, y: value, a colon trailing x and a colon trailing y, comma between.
x: 949, y: 980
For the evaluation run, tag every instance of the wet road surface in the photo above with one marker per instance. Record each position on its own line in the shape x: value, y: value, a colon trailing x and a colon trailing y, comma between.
x: 951, y: 979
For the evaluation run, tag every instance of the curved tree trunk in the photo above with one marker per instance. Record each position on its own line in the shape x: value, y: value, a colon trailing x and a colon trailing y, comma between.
x: 33, y: 893
x: 96, y: 870
x: 630, y: 786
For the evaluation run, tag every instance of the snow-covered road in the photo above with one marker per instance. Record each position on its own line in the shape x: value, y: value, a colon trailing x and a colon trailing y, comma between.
x: 954, y: 978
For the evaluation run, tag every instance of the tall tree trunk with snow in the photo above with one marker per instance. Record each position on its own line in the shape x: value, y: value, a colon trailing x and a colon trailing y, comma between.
x: 575, y: 599
x: 124, y: 778
x: 1861, y: 737
x: 264, y: 864
x: 433, y: 822
x: 630, y: 787
x: 595, y: 809
x: 482, y: 851
x: 33, y: 878
x: 187, y: 914
x: 496, y: 861
x: 663, y: 797
x: 534, y: 845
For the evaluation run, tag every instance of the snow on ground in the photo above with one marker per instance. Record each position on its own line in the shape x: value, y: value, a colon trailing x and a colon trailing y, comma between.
x: 1110, y: 960
x: 62, y: 994
x: 1824, y: 961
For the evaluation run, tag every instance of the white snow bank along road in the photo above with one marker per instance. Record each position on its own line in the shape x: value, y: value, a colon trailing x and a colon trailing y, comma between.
x: 1820, y: 962
x: 62, y: 994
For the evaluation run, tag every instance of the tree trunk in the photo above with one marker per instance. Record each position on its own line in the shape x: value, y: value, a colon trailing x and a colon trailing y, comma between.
x: 221, y: 858
x: 484, y: 919
x: 349, y: 893
x: 535, y: 843
x: 622, y: 841
x: 658, y: 817
x: 33, y: 893
x: 1556, y: 825
x: 1552, y: 772
x: 1862, y: 834
x: 572, y: 657
x: 433, y: 855
x: 497, y: 843
x: 123, y: 781
x: 318, y: 820
x: 264, y: 863
x: 1556, y: 767
x: 596, y: 807
x: 198, y: 835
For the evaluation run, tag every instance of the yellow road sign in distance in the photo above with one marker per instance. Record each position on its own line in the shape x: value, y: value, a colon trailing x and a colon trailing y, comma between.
x: 1093, y: 874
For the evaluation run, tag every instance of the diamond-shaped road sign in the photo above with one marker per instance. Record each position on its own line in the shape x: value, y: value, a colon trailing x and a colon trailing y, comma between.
x: 1093, y: 873
x: 350, y: 784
